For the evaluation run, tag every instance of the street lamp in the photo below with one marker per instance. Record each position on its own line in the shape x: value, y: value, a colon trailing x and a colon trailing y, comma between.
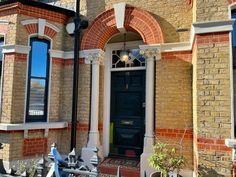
x: 78, y: 25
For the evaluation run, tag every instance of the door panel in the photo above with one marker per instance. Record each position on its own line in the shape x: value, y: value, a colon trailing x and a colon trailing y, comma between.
x: 127, y: 112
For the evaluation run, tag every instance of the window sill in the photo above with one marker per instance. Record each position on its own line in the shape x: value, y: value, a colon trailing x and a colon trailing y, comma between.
x: 33, y: 126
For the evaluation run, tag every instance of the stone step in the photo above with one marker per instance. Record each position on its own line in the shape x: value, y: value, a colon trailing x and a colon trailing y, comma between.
x: 128, y: 167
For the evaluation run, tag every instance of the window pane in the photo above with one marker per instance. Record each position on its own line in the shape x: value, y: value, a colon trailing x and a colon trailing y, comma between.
x: 39, y: 59
x: 37, y: 94
x: 234, y: 30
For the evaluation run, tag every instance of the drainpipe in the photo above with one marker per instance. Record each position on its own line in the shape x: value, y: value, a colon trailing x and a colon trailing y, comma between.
x: 75, y: 75
x: 79, y: 24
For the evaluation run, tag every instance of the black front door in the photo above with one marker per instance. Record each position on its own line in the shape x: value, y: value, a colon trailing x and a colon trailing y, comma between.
x: 127, y: 113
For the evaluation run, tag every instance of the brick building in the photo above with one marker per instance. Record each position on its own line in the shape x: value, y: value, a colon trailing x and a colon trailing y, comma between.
x: 176, y: 86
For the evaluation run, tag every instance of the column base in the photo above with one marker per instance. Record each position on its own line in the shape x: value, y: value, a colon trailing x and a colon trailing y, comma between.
x: 148, y: 144
x: 93, y: 139
x: 145, y: 169
x: 87, y: 152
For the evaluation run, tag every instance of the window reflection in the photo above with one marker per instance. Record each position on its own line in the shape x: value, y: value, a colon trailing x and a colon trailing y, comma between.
x: 38, y: 80
x: 37, y: 95
x: 39, y: 59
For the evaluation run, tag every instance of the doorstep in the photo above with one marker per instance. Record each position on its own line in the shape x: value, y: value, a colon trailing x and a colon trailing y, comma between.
x: 128, y: 167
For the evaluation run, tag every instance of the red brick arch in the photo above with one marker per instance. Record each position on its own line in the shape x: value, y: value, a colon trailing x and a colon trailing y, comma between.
x: 231, y: 1
x: 136, y: 20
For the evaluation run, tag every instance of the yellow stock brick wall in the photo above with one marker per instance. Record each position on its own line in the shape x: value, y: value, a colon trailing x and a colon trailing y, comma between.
x: 211, y: 10
x: 14, y: 87
x: 173, y: 109
x: 212, y: 120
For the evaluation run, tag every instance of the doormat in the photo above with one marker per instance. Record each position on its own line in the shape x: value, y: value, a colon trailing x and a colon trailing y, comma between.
x: 123, y: 162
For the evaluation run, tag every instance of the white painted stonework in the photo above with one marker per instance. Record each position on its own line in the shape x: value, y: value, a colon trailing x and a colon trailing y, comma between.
x: 94, y: 57
x: 41, y: 26
x: 151, y: 52
x: 213, y: 26
x: 42, y: 23
x: 120, y: 16
x: 11, y: 48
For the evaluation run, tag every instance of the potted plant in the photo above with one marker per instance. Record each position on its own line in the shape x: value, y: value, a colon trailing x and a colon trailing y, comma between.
x: 166, y: 161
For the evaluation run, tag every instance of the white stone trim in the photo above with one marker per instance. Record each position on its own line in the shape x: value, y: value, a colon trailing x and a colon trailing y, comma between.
x: 120, y: 16
x: 53, y: 27
x: 213, y: 26
x: 70, y: 55
x: 33, y: 126
x: 30, y: 21
x: 10, y: 48
x: 153, y: 50
x: 230, y: 143
x: 92, y: 55
x: 56, y: 53
x: 230, y: 8
x: 4, y: 22
x: 174, y: 47
x: 41, y: 26
x: 65, y: 55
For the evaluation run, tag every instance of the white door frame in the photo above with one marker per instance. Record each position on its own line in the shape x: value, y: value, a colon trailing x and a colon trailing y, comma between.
x: 107, y: 87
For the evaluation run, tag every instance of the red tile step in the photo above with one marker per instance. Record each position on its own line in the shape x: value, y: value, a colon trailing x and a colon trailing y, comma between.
x: 125, y: 172
x: 128, y: 168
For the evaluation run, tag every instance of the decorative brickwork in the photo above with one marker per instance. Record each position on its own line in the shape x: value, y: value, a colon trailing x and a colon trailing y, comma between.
x: 37, y: 12
x: 49, y: 32
x: 32, y: 28
x: 3, y: 28
x: 34, y: 146
x: 178, y: 56
x: 212, y: 38
x: 210, y: 144
x: 174, y: 133
x: 137, y: 20
x: 231, y: 1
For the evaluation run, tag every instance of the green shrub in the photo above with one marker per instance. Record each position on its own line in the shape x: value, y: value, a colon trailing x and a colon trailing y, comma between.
x: 165, y: 159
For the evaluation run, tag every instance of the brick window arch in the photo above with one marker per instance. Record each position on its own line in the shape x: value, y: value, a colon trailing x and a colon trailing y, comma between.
x: 40, y: 27
x: 136, y: 20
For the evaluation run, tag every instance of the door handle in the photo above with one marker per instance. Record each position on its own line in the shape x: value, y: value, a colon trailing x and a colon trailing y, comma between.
x: 127, y: 122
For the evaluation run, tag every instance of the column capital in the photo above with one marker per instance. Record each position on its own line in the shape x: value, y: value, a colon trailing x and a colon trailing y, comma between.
x: 94, y: 56
x: 151, y: 51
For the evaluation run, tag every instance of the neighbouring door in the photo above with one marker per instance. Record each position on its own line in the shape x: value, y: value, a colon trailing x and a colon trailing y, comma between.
x: 127, y: 113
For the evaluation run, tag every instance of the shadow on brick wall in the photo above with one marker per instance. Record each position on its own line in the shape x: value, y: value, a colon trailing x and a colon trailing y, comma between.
x: 169, y: 31
x: 207, y: 172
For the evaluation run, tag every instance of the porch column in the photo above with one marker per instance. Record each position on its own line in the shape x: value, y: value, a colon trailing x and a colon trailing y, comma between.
x: 151, y: 53
x: 94, y: 57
